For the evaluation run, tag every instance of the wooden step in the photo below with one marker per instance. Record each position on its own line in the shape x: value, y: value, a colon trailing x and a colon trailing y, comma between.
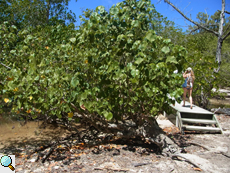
x: 201, y: 128
x: 201, y: 121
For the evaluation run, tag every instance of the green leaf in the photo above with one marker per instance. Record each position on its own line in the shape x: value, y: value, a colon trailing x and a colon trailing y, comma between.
x: 88, y: 104
x: 114, y: 10
x: 165, y: 49
x: 83, y: 96
x: 74, y: 82
x: 140, y: 4
x: 59, y: 116
x: 74, y: 94
x: 135, y: 73
x: 171, y: 59
x: 108, y: 115
x: 150, y: 36
x: 101, y: 9
x: 139, y: 60
x: 73, y: 40
x: 120, y: 37
x: 135, y: 23
x: 167, y: 41
x: 134, y: 80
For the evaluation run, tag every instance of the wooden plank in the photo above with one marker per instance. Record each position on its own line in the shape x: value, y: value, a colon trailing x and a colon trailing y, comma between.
x: 202, y: 121
x: 180, y: 123
x: 201, y: 128
x: 197, y: 116
x: 218, y: 124
x: 177, y: 122
x: 194, y: 110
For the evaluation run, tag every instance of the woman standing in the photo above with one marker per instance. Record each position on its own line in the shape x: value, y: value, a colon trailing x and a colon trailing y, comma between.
x: 187, y: 86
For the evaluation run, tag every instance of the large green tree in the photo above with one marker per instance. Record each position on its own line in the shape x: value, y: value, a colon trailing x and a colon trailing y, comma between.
x: 113, y: 69
x: 221, y: 34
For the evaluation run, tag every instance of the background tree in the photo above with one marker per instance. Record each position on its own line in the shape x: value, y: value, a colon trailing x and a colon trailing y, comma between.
x: 207, y: 46
x: 201, y: 50
x: 220, y: 34
x: 38, y: 12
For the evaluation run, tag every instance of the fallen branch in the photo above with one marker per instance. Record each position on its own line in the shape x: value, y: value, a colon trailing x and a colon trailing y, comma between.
x: 197, y: 162
x: 47, y: 155
x: 140, y: 164
x: 52, y: 145
x: 178, y: 156
x: 111, y: 166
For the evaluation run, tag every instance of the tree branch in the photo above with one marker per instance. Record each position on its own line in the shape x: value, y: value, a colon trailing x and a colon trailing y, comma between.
x: 5, y: 65
x: 200, y: 28
x: 195, y: 23
x: 226, y: 35
x: 226, y: 29
x: 225, y: 11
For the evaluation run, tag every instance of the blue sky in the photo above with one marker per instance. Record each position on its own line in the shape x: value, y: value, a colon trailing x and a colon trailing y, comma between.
x: 189, y: 7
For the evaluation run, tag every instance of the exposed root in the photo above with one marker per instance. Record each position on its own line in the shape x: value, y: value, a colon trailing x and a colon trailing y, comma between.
x: 98, y: 133
x: 52, y: 147
x: 199, y: 145
x: 179, y: 156
x: 224, y: 154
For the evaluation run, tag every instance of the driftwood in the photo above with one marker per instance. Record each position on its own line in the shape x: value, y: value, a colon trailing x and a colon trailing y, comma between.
x: 140, y: 164
x: 110, y: 166
x: 210, y: 149
x: 199, y: 145
x: 221, y: 111
x: 197, y: 161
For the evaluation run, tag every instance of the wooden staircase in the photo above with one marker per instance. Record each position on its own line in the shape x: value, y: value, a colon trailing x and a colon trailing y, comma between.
x: 196, y: 119
x: 198, y: 122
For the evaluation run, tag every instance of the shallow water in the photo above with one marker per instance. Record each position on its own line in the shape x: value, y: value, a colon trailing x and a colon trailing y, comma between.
x: 15, y: 133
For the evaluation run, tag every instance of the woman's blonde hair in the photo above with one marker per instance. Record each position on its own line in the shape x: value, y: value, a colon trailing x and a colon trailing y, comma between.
x: 193, y: 75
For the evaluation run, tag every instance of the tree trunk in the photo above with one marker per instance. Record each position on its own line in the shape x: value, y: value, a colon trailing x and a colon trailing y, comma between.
x: 218, y: 52
x: 220, y: 40
x: 48, y: 11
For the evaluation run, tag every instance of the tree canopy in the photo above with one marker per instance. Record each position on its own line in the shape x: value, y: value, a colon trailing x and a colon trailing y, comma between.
x: 118, y: 65
x: 24, y: 13
x: 115, y: 65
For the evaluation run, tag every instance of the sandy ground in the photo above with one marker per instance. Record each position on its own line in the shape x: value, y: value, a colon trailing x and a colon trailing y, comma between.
x: 201, y: 152
x: 213, y: 148
x: 206, y: 152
